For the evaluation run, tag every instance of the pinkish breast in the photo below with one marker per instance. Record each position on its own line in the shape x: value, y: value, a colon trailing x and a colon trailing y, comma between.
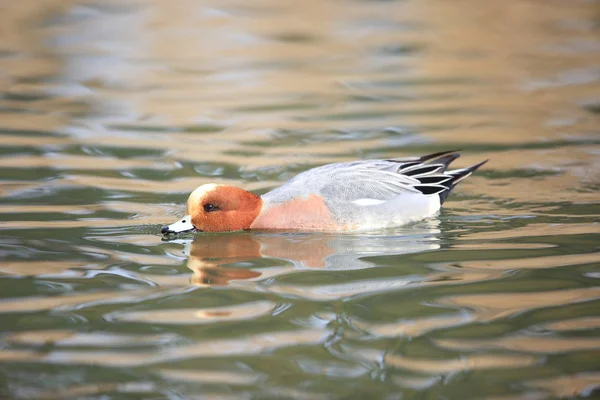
x: 300, y: 213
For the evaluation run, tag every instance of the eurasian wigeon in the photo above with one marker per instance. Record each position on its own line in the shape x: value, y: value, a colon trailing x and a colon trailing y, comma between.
x: 346, y: 196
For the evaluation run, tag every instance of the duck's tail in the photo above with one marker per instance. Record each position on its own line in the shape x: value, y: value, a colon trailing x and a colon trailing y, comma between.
x: 432, y: 172
x: 457, y: 176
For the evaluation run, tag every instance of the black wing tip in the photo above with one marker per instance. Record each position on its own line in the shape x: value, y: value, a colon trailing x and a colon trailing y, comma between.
x: 432, y: 156
x: 423, y: 165
x: 434, y: 179
x: 445, y: 158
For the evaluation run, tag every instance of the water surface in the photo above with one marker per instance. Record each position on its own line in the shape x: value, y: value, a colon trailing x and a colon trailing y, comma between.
x: 112, y: 112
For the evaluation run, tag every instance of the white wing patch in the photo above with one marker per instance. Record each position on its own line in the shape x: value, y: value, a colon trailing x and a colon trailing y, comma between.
x: 367, y: 202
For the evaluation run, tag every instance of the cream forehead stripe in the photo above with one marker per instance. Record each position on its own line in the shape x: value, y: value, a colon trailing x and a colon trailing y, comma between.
x: 200, y: 192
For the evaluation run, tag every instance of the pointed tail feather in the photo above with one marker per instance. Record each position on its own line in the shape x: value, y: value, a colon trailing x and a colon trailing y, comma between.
x: 457, y: 176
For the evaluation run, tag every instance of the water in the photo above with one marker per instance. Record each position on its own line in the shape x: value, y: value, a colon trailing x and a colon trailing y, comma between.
x: 112, y: 112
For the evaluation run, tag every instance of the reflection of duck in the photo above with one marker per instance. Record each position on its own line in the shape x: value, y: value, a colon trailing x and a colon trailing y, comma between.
x: 212, y: 256
x: 348, y: 196
x: 207, y: 253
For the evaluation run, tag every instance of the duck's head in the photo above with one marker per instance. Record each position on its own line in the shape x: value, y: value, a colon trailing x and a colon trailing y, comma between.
x: 215, y: 208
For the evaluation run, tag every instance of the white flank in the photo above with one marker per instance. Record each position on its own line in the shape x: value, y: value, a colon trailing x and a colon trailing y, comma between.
x: 368, y: 202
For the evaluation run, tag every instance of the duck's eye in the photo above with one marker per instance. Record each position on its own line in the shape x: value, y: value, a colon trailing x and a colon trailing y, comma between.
x: 210, y: 207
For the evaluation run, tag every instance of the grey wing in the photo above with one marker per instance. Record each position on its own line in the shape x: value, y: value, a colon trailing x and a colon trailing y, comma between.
x: 386, y: 179
x: 360, y: 184
x: 347, y: 182
x: 376, y: 180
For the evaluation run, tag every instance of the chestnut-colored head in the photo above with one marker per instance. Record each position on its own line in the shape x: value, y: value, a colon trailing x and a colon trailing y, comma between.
x: 215, y: 208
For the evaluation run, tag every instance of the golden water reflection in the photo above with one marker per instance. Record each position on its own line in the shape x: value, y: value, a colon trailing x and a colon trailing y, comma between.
x: 245, y: 345
x: 491, y: 306
x: 469, y: 363
x: 580, y: 385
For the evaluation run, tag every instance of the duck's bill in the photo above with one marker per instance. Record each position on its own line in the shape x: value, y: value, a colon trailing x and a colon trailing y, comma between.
x: 184, y: 225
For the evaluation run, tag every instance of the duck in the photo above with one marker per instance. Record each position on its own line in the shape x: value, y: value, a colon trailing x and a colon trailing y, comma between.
x: 344, y: 196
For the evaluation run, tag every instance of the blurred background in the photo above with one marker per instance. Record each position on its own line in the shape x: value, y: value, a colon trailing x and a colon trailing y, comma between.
x: 111, y: 112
